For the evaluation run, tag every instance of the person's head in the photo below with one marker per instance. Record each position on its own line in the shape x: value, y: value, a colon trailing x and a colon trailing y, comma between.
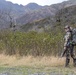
x: 67, y: 28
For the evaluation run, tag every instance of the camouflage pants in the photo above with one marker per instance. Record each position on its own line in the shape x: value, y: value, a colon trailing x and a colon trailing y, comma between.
x: 70, y: 52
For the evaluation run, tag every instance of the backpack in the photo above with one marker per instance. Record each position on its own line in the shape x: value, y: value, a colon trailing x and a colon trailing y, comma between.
x: 74, y: 36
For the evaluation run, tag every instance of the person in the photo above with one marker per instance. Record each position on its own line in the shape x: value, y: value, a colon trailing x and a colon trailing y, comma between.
x: 68, y: 46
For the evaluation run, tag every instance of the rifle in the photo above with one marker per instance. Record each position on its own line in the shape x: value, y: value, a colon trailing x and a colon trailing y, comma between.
x: 63, y: 53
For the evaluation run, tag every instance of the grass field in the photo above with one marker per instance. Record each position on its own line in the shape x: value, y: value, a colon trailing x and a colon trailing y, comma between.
x: 31, y: 61
x: 16, y: 65
x: 24, y: 70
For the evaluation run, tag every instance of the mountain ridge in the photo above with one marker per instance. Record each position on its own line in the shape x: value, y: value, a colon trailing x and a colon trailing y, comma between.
x: 44, y: 12
x: 65, y: 16
x: 20, y: 15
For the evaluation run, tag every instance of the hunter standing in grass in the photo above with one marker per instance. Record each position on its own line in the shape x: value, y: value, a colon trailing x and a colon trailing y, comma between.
x: 68, y: 46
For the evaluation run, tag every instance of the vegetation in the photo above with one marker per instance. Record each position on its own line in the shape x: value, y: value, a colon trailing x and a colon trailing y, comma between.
x: 31, y: 43
x: 37, y: 71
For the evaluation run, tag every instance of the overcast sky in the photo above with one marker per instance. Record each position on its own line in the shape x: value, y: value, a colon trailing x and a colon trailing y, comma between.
x: 40, y: 2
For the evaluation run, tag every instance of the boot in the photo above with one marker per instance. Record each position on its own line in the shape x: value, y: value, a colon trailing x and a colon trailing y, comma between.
x: 74, y: 62
x: 67, y: 62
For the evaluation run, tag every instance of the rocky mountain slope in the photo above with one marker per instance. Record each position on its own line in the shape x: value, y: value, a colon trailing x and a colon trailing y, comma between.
x: 65, y: 16
x: 9, y: 12
x: 20, y: 15
x: 44, y: 12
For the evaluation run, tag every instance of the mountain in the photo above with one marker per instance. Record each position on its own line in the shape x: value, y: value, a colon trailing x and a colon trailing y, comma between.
x: 21, y: 15
x: 44, y: 12
x: 18, y: 10
x: 33, y: 6
x: 37, y: 15
x: 10, y: 12
x: 65, y: 16
x: 7, y: 6
x: 39, y: 26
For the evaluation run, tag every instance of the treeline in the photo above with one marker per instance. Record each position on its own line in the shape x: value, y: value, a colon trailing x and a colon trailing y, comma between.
x: 31, y: 43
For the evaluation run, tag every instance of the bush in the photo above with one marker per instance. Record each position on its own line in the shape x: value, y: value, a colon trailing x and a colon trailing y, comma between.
x: 31, y: 43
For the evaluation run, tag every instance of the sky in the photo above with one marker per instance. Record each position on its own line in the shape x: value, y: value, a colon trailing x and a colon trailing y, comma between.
x: 40, y: 2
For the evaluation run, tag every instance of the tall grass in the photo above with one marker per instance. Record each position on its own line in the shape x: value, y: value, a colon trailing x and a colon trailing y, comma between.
x: 31, y: 61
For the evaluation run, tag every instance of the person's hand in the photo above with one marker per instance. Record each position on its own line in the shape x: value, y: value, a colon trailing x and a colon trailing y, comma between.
x: 64, y: 47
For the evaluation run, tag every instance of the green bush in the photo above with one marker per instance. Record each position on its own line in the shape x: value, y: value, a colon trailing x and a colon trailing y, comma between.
x: 31, y: 43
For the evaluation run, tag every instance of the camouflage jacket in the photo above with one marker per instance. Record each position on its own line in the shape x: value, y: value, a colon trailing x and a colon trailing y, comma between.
x: 67, y: 38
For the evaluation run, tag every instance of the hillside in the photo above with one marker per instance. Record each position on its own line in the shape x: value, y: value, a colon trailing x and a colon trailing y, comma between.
x: 20, y: 15
x: 37, y: 15
x: 9, y: 12
x: 39, y: 26
x: 44, y: 12
x: 16, y: 9
x: 65, y: 16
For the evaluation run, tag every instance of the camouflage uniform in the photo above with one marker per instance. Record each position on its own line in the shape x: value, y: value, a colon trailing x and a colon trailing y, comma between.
x: 69, y: 47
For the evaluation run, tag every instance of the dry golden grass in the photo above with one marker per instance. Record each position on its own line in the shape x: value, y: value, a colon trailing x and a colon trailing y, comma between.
x: 31, y: 61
